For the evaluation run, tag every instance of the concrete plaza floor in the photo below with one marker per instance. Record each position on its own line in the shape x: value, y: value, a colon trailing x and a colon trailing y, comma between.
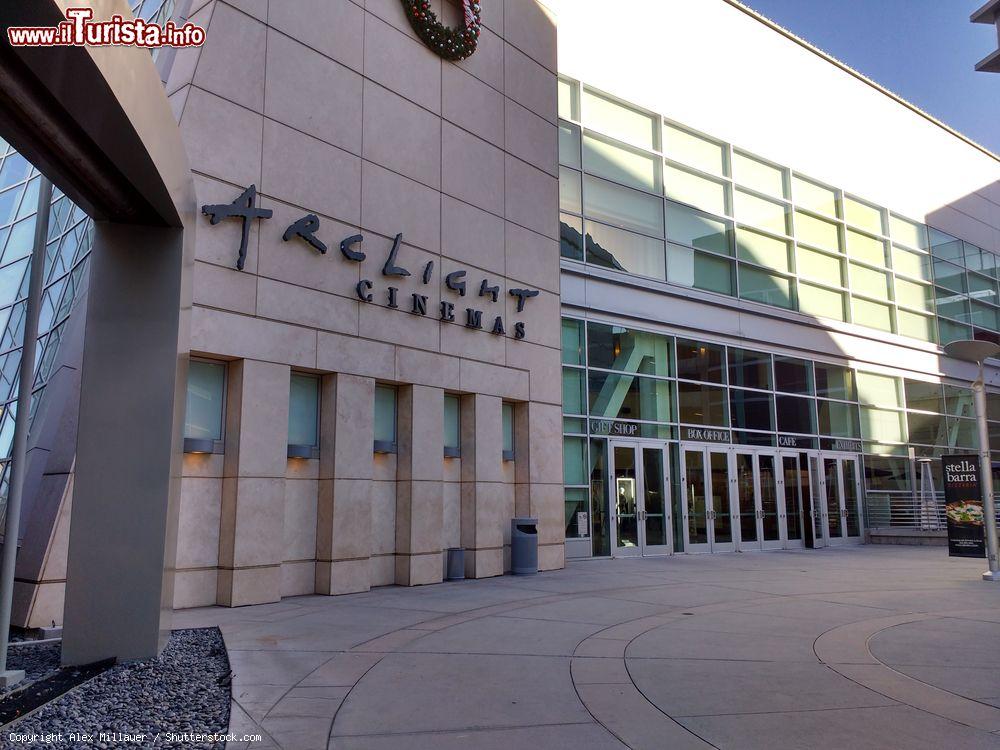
x: 864, y: 647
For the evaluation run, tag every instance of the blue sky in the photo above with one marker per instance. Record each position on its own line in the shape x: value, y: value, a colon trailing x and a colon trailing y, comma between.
x: 924, y: 50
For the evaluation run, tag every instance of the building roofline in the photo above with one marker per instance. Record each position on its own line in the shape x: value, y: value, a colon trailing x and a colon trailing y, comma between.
x: 987, y: 14
x: 992, y: 4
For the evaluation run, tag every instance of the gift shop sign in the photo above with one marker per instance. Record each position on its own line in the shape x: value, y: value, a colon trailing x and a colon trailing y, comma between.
x: 306, y: 229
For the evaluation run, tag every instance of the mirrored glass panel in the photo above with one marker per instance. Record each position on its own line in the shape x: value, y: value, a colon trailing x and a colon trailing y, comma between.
x: 823, y: 303
x: 571, y: 237
x: 701, y: 361
x: 751, y: 410
x: 629, y: 166
x: 569, y: 145
x: 759, y: 175
x: 626, y: 350
x: 749, y: 369
x: 303, y: 410
x: 834, y: 381
x: 817, y: 232
x: 761, y: 213
x: 686, y: 147
x: 763, y: 249
x: 702, y: 404
x: 206, y: 390
x: 767, y: 288
x: 838, y: 419
x: 570, y: 192
x: 620, y: 121
x: 695, y: 229
x: 864, y: 215
x: 629, y: 397
x: 701, y: 192
x: 625, y: 251
x: 623, y: 207
x: 814, y: 197
x: 793, y: 375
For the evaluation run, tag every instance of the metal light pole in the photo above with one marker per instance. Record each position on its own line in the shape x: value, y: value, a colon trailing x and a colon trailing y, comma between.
x: 978, y: 352
x: 19, y: 449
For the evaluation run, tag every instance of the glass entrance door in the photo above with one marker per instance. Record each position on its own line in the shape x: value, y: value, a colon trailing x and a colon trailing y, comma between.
x: 841, y: 507
x: 709, y: 517
x: 794, y: 488
x: 639, y: 509
x: 758, y: 485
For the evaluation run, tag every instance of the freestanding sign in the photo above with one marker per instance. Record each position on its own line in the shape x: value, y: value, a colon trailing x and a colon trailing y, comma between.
x: 963, y: 503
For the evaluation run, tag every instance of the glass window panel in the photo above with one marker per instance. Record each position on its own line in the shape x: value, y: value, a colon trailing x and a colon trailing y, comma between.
x: 963, y: 433
x: 946, y: 247
x: 814, y: 197
x: 915, y: 326
x: 871, y: 314
x: 951, y: 304
x: 569, y: 100
x: 823, y: 303
x: 751, y: 410
x: 623, y: 207
x: 984, y: 316
x: 569, y: 145
x: 763, y: 250
x: 571, y: 237
x: 385, y: 414
x: 869, y: 282
x: 834, y: 381
x: 820, y: 266
x: 689, y: 227
x: 869, y: 249
x: 694, y: 150
x: 912, y: 264
x: 768, y: 288
x: 574, y: 460
x: 759, y: 175
x: 917, y: 296
x: 570, y: 195
x: 887, y: 474
x: 838, y: 419
x: 303, y: 410
x: 982, y: 288
x: 625, y: 251
x: 949, y: 276
x: 452, y: 421
x: 628, y: 166
x: 572, y: 342
x: 574, y: 399
x: 620, y: 121
x: 697, y: 360
x: 702, y: 404
x: 949, y: 331
x: 907, y: 232
x: 958, y: 401
x: 760, y: 212
x: 11, y: 278
x: 507, y: 416
x: 713, y: 274
x: 795, y: 414
x: 928, y: 429
x: 206, y: 389
x: 749, y: 369
x: 977, y: 259
x: 879, y: 390
x: 793, y: 375
x: 923, y: 395
x: 687, y: 187
x: 817, y: 232
x: 882, y: 425
x: 626, y: 350
x: 629, y: 397
x: 864, y: 215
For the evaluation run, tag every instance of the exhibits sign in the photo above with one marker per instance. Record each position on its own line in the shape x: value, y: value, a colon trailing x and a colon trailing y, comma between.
x: 244, y: 208
x: 963, y: 504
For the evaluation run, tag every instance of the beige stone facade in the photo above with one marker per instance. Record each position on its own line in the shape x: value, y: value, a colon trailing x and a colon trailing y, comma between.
x: 338, y: 110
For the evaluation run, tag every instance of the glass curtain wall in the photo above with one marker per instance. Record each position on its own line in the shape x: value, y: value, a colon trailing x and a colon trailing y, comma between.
x: 620, y: 382
x: 642, y: 195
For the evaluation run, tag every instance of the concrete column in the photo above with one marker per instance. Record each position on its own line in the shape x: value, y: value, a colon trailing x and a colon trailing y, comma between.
x: 484, y: 506
x: 419, y: 491
x: 251, y: 539
x: 539, y: 478
x: 344, y: 517
x: 125, y: 499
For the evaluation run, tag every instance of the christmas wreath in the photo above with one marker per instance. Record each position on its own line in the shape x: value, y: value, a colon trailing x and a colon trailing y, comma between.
x: 450, y: 43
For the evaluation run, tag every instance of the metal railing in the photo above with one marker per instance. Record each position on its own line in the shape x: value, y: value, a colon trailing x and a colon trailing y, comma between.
x: 901, y: 510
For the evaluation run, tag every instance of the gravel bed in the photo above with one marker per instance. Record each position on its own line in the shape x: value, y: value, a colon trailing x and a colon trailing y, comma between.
x: 37, y: 661
x: 139, y: 704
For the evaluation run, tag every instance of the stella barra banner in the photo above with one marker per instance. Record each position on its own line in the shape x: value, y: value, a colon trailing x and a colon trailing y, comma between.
x: 963, y: 503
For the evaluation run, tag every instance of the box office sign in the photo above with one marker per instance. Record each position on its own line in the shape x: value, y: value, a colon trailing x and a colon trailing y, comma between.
x: 963, y: 504
x: 305, y: 230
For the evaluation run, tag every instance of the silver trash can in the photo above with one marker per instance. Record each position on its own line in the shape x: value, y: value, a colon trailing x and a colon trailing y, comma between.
x: 456, y: 564
x: 524, y: 546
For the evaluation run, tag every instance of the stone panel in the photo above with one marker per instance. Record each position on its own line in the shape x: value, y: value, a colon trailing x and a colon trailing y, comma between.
x: 401, y: 136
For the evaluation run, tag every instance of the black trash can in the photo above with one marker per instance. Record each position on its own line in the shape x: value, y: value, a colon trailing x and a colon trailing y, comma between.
x: 524, y: 546
x: 456, y: 564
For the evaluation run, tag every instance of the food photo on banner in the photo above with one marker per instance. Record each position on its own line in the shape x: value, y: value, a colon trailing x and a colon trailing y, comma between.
x: 963, y: 503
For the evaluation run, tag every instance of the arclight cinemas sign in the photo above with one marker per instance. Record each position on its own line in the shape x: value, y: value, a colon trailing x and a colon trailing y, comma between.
x: 305, y: 230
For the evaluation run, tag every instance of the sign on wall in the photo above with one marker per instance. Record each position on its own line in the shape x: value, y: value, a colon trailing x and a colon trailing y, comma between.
x: 963, y: 503
x: 304, y: 231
